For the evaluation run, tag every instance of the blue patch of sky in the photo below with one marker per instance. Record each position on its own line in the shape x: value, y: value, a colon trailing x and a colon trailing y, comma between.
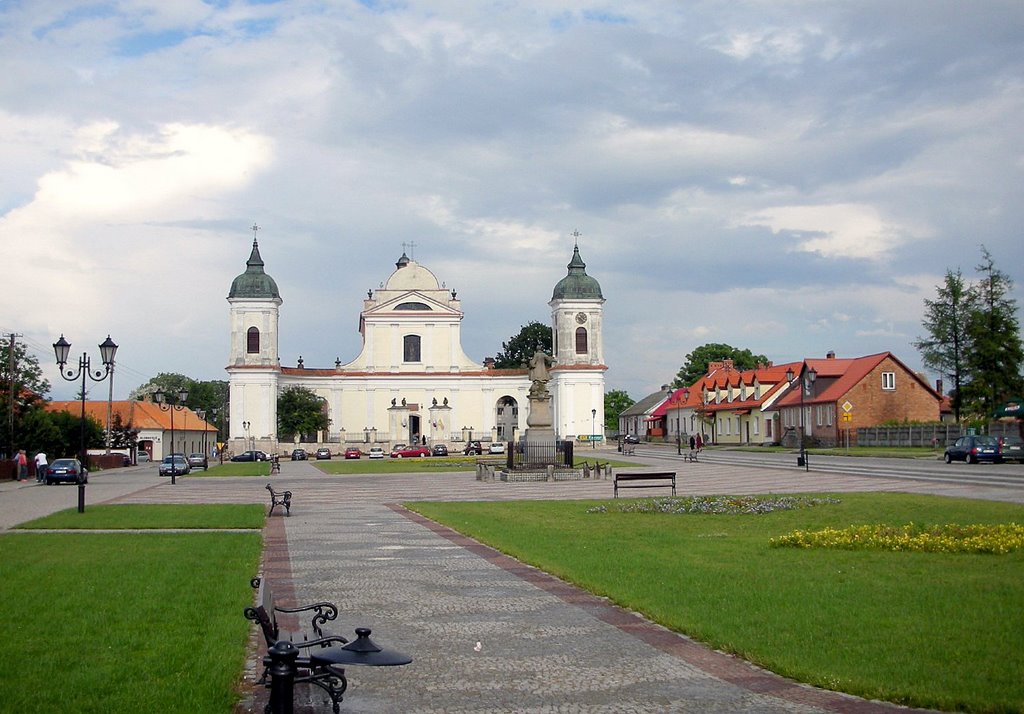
x: 563, y: 21
x: 146, y: 42
x: 605, y: 17
x: 75, y: 16
x: 256, y: 28
x: 382, y: 6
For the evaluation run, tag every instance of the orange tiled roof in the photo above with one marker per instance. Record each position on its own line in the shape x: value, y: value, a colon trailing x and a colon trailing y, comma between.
x: 135, y: 414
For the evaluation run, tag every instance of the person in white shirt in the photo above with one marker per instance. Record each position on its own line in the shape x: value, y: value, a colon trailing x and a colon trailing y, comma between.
x: 40, y: 466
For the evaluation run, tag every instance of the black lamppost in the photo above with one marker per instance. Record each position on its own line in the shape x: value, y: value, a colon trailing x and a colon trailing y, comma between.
x: 201, y: 413
x: 593, y: 428
x: 806, y: 382
x: 61, y: 349
x: 159, y: 398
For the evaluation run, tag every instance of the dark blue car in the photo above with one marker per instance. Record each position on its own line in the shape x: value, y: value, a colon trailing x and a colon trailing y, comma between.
x: 973, y: 449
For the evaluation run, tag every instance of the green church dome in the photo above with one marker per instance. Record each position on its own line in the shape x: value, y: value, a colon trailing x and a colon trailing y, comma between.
x: 254, y: 283
x: 577, y: 285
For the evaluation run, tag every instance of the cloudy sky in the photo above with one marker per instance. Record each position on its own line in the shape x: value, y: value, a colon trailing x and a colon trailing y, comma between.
x: 788, y: 177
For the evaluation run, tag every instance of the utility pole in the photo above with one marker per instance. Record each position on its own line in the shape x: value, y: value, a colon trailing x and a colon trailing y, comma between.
x: 13, y: 391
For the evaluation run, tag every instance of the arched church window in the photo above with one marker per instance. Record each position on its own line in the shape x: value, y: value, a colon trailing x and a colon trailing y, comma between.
x: 581, y: 340
x: 252, y: 341
x: 411, y: 348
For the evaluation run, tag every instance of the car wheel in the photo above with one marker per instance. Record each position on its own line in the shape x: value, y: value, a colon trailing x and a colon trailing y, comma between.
x: 422, y: 455
x: 971, y: 459
x: 948, y: 459
x: 398, y: 456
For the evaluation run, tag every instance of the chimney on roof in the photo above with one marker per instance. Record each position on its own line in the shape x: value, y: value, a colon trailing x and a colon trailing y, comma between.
x: 831, y: 354
x: 488, y: 363
x: 938, y: 386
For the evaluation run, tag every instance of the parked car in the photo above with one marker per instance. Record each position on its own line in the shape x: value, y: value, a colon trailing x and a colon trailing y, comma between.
x: 142, y: 457
x: 376, y: 452
x: 323, y: 453
x: 1011, y: 448
x: 401, y: 451
x: 251, y: 456
x: 353, y: 453
x: 496, y: 447
x: 973, y: 449
x: 196, y: 461
x: 299, y: 455
x: 65, y: 471
x: 439, y: 450
x: 631, y: 439
x: 174, y: 463
x: 473, y: 448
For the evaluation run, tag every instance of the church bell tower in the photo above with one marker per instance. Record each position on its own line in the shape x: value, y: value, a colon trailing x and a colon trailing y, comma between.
x: 577, y: 378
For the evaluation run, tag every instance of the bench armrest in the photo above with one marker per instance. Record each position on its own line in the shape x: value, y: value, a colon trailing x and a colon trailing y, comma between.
x: 323, y: 613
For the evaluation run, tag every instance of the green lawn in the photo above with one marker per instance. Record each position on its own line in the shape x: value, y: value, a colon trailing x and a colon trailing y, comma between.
x: 926, y: 629
x: 125, y: 622
x: 144, y: 516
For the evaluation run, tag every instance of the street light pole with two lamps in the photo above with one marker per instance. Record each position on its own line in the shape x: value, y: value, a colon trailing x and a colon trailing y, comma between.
x: 61, y: 350
x: 806, y: 384
x: 160, y: 399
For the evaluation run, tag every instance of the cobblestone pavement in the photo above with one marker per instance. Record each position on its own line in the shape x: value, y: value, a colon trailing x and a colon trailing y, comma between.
x: 488, y: 634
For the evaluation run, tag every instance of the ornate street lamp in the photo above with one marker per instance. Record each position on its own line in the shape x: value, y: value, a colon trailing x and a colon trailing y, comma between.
x: 61, y: 349
x: 159, y: 398
x: 593, y: 428
x: 201, y: 413
x: 806, y: 384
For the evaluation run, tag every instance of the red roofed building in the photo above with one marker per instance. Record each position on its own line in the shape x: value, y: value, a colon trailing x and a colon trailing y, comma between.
x: 726, y: 406
x: 847, y: 394
x: 152, y: 423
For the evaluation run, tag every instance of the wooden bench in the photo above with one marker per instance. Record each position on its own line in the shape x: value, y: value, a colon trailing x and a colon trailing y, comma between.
x: 645, y: 479
x: 329, y: 678
x: 280, y: 498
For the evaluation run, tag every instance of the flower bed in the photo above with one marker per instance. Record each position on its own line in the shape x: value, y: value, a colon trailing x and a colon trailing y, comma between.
x: 718, y: 505
x: 951, y: 538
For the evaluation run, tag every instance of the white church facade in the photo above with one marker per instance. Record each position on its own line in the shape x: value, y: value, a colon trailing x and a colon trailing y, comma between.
x: 411, y: 381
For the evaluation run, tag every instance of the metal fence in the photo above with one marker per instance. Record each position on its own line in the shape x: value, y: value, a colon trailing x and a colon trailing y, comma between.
x: 526, y: 455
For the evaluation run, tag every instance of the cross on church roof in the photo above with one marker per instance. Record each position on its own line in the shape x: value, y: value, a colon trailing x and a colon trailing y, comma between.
x: 576, y: 235
x: 411, y: 248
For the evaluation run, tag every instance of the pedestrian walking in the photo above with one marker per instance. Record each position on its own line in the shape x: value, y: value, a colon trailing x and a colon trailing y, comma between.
x: 22, y: 461
x: 699, y: 443
x: 41, y: 464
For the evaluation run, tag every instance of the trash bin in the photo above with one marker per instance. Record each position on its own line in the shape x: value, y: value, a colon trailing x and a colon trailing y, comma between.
x: 799, y: 460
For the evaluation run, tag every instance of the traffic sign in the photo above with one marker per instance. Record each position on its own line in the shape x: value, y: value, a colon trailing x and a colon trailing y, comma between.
x: 847, y: 407
x: 847, y: 417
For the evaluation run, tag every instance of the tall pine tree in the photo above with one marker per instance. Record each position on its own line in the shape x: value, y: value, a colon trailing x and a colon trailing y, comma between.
x: 944, y: 349
x: 996, y: 355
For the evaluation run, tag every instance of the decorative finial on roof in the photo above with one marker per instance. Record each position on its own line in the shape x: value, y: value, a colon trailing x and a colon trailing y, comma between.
x: 576, y: 238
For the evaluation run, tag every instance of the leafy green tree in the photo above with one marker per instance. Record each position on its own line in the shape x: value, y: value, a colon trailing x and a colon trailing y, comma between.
x: 945, y: 347
x: 616, y: 401
x: 696, y: 365
x: 996, y: 355
x: 66, y: 435
x: 170, y: 383
x: 27, y: 385
x: 521, y: 347
x: 212, y: 397
x: 300, y: 411
x: 122, y: 436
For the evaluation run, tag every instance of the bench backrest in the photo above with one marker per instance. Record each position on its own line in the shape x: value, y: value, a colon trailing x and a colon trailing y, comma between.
x: 263, y: 612
x: 641, y: 476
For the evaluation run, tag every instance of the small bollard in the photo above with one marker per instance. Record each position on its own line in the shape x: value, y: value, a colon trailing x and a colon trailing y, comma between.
x: 280, y: 661
x: 81, y: 494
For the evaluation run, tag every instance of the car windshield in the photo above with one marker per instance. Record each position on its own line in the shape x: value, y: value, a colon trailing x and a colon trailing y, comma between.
x: 63, y: 463
x: 986, y: 441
